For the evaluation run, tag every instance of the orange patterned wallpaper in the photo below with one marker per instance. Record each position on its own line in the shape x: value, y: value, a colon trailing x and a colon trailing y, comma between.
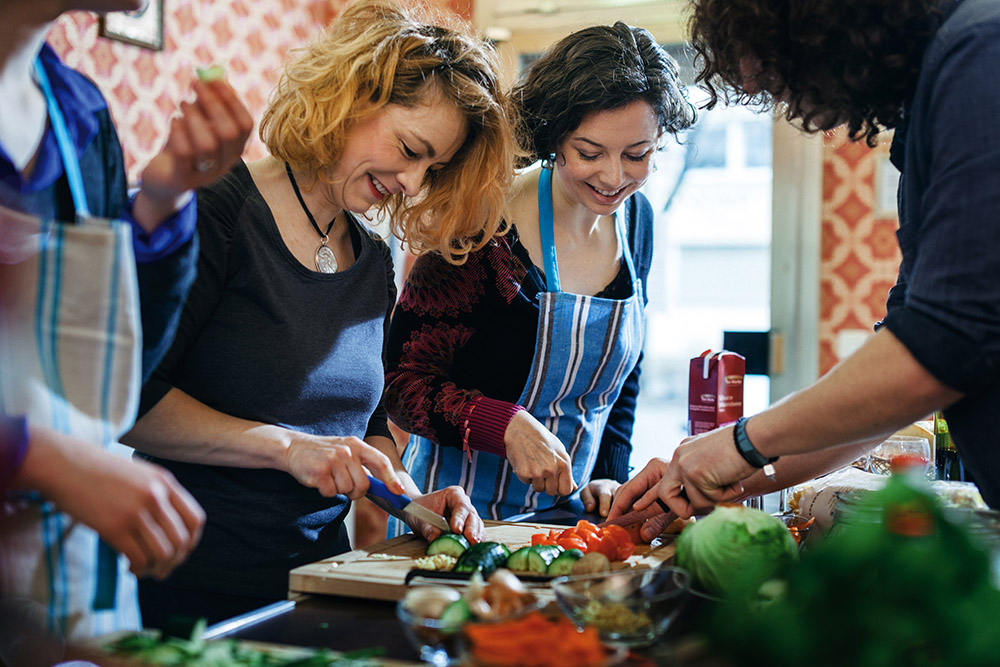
x: 251, y: 38
x: 860, y: 256
x: 143, y: 87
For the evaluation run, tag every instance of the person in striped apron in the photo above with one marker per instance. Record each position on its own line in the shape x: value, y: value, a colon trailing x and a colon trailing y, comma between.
x: 70, y: 339
x: 517, y: 372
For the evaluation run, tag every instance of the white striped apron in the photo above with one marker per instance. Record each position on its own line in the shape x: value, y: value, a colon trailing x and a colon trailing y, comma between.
x: 585, y: 348
x: 69, y: 360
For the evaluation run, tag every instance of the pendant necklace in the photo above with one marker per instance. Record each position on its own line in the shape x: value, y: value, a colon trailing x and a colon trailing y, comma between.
x: 326, y: 261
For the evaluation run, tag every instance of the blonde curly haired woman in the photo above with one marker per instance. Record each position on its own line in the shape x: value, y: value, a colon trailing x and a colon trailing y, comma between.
x: 268, y: 406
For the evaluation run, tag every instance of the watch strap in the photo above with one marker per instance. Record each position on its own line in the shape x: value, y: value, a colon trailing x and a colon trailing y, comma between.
x: 748, y: 451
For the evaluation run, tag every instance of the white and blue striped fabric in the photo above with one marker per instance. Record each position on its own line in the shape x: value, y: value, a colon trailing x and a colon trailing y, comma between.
x: 69, y: 360
x: 585, y: 348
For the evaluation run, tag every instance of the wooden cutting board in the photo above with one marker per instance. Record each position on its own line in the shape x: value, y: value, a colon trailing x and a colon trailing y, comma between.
x: 379, y: 571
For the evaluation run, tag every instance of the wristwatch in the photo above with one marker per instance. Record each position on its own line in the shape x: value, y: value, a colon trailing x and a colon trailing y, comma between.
x: 749, y: 452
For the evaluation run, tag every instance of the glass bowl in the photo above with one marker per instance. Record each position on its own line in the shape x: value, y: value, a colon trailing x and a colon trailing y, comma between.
x: 437, y: 642
x: 628, y: 607
x: 443, y: 643
x: 797, y: 525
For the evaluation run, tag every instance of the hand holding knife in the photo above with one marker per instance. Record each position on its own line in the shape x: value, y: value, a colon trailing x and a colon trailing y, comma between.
x: 404, y: 503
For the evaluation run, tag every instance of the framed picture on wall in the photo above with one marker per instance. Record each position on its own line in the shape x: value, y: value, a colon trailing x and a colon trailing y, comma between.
x: 143, y: 27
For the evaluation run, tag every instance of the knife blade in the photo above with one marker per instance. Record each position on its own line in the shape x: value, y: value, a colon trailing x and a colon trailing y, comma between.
x: 406, y: 504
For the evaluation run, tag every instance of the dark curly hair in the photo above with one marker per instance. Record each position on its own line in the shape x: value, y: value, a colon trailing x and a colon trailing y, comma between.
x: 852, y: 62
x: 597, y: 69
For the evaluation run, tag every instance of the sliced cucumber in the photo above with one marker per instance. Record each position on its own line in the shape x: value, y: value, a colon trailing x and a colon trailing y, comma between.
x: 484, y: 557
x: 563, y: 563
x: 540, y: 556
x: 456, y: 614
x: 449, y: 544
x: 518, y: 560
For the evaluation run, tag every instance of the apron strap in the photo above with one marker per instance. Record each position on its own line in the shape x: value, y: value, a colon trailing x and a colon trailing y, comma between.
x: 71, y: 163
x: 545, y: 232
x: 547, y: 236
x: 621, y: 225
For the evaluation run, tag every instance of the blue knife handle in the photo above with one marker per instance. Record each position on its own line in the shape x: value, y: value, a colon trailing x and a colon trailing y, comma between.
x: 380, y: 490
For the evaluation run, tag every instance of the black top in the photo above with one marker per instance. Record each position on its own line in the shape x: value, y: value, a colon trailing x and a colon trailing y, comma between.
x: 946, y: 306
x: 266, y: 339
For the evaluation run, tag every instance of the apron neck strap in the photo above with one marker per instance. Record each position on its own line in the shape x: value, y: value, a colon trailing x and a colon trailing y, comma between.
x: 547, y: 236
x: 545, y: 230
x: 71, y: 163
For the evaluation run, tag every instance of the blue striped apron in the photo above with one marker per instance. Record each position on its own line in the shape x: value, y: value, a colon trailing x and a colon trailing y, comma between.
x: 69, y: 360
x: 585, y: 348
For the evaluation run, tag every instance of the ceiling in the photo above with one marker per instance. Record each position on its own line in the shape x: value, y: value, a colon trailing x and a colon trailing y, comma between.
x: 531, y: 25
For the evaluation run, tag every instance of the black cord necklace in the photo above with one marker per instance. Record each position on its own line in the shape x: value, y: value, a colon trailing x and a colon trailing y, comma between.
x: 326, y: 261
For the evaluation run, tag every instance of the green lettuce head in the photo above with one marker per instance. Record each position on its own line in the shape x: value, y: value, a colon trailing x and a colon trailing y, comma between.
x: 734, y: 550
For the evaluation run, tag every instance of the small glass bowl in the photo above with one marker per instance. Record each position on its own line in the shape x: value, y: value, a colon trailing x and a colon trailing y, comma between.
x: 628, y: 607
x: 437, y: 642
x: 797, y: 525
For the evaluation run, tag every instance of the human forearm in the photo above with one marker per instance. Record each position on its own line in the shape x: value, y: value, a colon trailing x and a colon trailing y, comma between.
x: 798, y: 468
x: 181, y: 428
x: 873, y: 393
x: 137, y: 508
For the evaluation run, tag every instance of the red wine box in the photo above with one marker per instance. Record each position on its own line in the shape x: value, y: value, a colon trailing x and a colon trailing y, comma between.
x: 715, y: 390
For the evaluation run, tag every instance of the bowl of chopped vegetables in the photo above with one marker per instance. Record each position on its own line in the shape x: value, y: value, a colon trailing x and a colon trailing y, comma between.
x: 433, y: 616
x: 437, y: 640
x: 627, y: 607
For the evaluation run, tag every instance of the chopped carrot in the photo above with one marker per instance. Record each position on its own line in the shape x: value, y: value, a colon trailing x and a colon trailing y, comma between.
x: 535, y: 640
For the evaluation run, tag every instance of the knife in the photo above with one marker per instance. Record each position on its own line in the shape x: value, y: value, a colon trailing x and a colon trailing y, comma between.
x: 406, y: 504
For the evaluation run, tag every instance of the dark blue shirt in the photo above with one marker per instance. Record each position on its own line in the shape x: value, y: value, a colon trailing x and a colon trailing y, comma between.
x: 946, y: 306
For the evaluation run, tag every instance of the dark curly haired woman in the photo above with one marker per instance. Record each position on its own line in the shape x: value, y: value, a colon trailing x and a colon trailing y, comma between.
x: 927, y: 69
x: 518, y: 373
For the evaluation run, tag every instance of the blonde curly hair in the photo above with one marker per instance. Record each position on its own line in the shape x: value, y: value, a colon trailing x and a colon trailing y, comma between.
x: 376, y: 54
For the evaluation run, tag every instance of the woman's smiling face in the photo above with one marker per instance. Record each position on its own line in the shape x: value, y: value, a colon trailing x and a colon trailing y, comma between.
x: 392, y: 149
x: 608, y: 157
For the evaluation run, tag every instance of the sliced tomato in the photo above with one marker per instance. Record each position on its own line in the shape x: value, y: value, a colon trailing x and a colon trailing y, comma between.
x: 625, y: 549
x: 617, y: 532
x: 572, y: 543
x: 621, y: 539
x: 606, y: 546
x: 572, y: 532
x: 541, y: 538
x: 586, y: 526
x: 592, y: 540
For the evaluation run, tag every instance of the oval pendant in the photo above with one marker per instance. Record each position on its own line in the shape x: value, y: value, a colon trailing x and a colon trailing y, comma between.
x: 326, y: 261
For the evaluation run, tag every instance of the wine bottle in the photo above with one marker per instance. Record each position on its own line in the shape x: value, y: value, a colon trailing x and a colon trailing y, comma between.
x: 946, y: 463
